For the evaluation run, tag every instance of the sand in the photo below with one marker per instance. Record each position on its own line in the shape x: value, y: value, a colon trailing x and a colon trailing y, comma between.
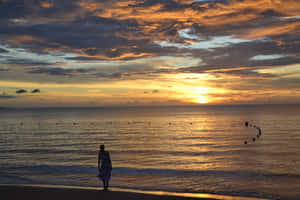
x: 47, y: 193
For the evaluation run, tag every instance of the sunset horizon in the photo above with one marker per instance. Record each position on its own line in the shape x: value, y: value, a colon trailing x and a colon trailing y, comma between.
x: 150, y: 99
x: 141, y: 53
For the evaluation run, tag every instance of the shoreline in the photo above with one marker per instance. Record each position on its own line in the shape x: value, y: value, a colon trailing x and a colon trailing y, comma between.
x: 51, y: 192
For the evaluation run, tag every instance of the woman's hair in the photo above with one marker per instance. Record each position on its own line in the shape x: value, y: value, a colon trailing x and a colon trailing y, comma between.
x: 102, y: 146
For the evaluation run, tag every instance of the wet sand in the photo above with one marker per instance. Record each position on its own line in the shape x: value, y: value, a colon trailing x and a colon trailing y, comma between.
x: 45, y: 193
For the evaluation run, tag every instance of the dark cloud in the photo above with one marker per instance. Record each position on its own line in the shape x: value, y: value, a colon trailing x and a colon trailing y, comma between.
x: 36, y: 91
x: 102, y: 39
x: 26, y: 62
x: 51, y: 71
x: 21, y: 91
x: 83, y: 58
x: 153, y: 92
x: 116, y: 75
x: 58, y: 71
x: 12, y: 9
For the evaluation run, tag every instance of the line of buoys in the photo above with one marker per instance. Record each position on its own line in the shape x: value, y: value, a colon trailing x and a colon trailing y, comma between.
x: 257, y: 128
x: 191, y: 123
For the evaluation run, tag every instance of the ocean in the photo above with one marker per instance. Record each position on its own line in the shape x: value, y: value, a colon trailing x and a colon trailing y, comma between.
x: 199, y: 150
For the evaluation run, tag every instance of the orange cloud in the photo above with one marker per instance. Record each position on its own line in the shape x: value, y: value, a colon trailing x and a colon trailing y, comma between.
x: 220, y: 14
x: 279, y: 29
x: 21, y: 39
x: 79, y: 52
x: 45, y: 4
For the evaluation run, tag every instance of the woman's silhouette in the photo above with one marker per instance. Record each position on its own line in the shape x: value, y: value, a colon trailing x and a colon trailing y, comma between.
x: 104, y: 166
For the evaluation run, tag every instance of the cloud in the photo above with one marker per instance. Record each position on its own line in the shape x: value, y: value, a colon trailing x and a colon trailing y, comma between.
x: 26, y: 62
x: 208, y: 44
x: 290, y: 17
x: 21, y: 91
x: 84, y: 58
x: 279, y: 28
x: 3, y: 50
x: 59, y: 71
x: 5, y: 96
x: 95, y: 41
x: 268, y: 57
x: 130, y: 30
x: 50, y: 71
x: 36, y: 91
x: 116, y: 75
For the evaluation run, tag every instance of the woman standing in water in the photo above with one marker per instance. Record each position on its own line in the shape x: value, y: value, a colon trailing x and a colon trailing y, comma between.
x: 104, y: 166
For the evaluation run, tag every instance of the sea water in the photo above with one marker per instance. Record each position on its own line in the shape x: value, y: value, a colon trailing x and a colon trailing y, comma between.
x: 172, y: 149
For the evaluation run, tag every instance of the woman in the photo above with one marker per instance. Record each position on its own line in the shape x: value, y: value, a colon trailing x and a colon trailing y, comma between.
x: 104, y: 166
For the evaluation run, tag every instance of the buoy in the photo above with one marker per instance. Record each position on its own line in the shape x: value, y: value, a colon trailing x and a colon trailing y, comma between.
x: 259, y: 131
x: 246, y: 123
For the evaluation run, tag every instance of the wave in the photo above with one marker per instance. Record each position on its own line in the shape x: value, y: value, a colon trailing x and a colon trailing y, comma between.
x: 149, y: 171
x: 51, y: 151
x: 79, y: 152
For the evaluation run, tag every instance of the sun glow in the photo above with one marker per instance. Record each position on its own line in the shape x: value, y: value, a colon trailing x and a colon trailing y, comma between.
x: 201, y: 100
x: 199, y: 95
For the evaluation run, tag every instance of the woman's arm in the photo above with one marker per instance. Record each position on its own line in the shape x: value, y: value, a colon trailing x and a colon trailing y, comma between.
x: 99, y: 160
x: 110, y: 165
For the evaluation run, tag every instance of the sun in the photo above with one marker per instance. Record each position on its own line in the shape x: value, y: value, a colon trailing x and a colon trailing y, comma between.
x: 201, y: 100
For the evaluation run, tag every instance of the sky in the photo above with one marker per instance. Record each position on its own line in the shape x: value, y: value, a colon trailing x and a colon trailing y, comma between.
x: 60, y: 53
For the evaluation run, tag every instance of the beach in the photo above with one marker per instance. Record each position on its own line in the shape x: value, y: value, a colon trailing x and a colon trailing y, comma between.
x: 47, y: 193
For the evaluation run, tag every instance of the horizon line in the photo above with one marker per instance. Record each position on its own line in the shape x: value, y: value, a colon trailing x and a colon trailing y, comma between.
x: 145, y: 106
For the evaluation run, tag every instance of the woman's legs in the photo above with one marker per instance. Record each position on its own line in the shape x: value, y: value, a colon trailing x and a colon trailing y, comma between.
x: 105, y: 184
